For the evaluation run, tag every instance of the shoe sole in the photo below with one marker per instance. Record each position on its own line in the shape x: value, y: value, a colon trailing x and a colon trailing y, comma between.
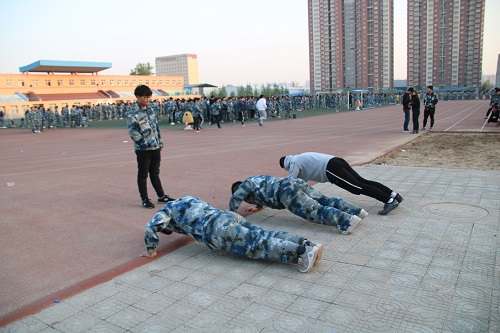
x: 319, y: 256
x: 363, y: 214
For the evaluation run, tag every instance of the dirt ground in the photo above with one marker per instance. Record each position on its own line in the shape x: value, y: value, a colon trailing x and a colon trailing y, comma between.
x: 477, y: 151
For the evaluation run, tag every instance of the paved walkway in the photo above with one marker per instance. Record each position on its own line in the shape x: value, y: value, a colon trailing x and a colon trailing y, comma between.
x: 432, y: 265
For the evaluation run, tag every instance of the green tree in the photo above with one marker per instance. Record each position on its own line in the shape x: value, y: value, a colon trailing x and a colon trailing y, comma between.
x: 142, y: 69
x: 248, y: 90
x: 232, y: 94
x: 485, y: 86
x: 241, y: 91
x: 222, y: 92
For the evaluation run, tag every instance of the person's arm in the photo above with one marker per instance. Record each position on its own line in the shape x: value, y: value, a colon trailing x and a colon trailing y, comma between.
x: 157, y: 224
x: 294, y: 170
x: 135, y: 132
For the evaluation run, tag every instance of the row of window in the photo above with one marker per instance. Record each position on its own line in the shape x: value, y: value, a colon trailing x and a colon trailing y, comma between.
x: 93, y: 82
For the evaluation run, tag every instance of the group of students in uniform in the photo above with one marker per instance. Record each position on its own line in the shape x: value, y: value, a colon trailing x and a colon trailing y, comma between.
x: 228, y: 231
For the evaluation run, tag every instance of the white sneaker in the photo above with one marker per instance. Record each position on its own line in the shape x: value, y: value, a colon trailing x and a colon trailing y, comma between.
x: 363, y: 214
x: 430, y: 128
x: 423, y: 128
x: 308, y: 258
x: 406, y: 131
x: 352, y: 223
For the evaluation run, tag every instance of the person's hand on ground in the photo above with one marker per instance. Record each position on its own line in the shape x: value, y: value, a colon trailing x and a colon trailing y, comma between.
x: 253, y: 209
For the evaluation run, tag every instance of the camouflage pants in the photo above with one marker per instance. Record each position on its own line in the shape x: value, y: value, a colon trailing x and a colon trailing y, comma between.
x: 232, y: 233
x: 303, y: 200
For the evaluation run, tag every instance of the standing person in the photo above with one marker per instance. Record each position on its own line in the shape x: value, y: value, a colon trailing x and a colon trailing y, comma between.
x: 261, y: 108
x: 299, y: 198
x: 240, y: 110
x: 494, y: 100
x: 143, y: 129
x: 430, y: 101
x: 324, y: 168
x: 215, y: 110
x: 229, y: 232
x: 406, y: 108
x: 415, y: 111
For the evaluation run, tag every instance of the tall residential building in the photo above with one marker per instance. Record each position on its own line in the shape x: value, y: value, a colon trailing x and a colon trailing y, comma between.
x: 497, y: 83
x: 445, y: 42
x: 185, y: 65
x: 351, y: 45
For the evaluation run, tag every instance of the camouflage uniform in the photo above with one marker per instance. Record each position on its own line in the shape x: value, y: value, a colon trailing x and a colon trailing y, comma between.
x: 223, y: 230
x: 298, y: 197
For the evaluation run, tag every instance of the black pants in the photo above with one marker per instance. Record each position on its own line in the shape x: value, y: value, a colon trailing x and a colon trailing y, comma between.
x: 148, y: 163
x: 216, y: 119
x: 429, y: 112
x: 340, y: 173
x: 415, y: 113
x: 197, y: 122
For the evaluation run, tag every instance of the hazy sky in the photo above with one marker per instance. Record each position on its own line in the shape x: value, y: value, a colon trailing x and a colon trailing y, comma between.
x: 237, y: 42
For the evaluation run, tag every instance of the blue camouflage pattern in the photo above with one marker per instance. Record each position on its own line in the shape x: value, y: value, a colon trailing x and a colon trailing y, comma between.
x: 143, y: 128
x: 297, y: 196
x: 221, y: 229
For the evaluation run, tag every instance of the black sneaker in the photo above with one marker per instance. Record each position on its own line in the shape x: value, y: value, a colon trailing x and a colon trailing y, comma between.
x: 165, y: 199
x: 146, y: 203
x: 399, y: 198
x: 389, y: 207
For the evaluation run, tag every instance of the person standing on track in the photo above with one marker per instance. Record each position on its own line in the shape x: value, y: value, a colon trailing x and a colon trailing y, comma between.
x: 406, y: 109
x: 430, y: 101
x: 324, y: 168
x: 142, y: 126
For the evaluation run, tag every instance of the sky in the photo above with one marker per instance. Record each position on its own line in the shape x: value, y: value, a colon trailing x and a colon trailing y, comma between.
x: 237, y: 42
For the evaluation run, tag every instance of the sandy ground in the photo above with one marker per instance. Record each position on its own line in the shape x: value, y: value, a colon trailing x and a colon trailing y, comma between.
x: 477, y: 151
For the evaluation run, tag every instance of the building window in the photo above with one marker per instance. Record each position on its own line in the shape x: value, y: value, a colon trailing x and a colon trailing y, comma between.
x: 111, y: 82
x: 20, y: 83
x: 82, y: 82
x: 35, y: 83
x: 92, y: 82
x: 9, y: 83
x: 47, y: 83
x: 126, y: 82
x: 103, y: 82
x: 59, y: 83
x: 119, y: 82
x: 147, y: 82
x: 71, y: 82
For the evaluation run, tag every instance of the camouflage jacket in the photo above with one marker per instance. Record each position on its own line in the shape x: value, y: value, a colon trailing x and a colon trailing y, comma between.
x: 258, y: 190
x: 142, y: 126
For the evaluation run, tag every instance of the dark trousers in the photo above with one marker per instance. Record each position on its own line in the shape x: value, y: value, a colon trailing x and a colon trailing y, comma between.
x: 340, y: 173
x: 197, y: 122
x: 148, y: 163
x: 429, y: 112
x: 407, y: 119
x: 415, y: 113
x: 216, y: 119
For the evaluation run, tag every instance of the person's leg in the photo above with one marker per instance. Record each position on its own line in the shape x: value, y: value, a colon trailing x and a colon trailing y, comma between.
x: 340, y: 173
x: 415, y: 115
x: 307, y: 206
x: 154, y: 172
x: 143, y: 166
x: 431, y: 115
x: 426, y: 115
x: 407, y: 119
x: 246, y: 239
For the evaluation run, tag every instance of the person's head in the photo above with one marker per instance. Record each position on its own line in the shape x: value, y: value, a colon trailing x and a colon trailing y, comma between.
x: 282, y: 162
x: 411, y: 90
x: 497, y: 90
x: 429, y: 89
x: 261, y: 96
x: 143, y: 94
x: 235, y: 186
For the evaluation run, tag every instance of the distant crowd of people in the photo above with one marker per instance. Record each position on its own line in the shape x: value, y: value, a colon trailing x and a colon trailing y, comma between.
x: 212, y: 109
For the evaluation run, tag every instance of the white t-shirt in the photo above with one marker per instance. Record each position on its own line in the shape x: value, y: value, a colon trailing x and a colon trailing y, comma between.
x: 261, y: 104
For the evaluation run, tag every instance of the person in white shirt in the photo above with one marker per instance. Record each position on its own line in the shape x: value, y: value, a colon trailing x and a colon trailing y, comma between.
x: 325, y: 168
x: 261, y: 107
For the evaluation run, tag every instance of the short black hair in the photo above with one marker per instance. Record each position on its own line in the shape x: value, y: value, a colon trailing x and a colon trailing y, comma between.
x: 411, y: 89
x: 235, y: 186
x: 143, y: 90
x: 282, y: 162
x: 430, y: 87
